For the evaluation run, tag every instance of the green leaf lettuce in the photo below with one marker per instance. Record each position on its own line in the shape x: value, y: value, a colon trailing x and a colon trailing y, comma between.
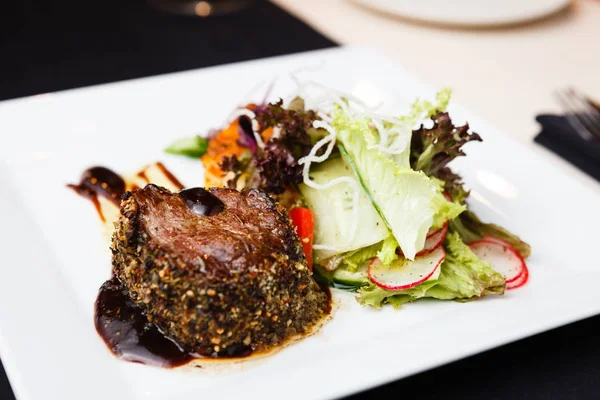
x: 463, y: 276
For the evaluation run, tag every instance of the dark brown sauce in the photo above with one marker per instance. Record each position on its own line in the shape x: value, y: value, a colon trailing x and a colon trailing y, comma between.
x: 126, y: 331
x: 129, y: 335
x: 201, y: 201
x: 100, y: 181
x: 170, y: 176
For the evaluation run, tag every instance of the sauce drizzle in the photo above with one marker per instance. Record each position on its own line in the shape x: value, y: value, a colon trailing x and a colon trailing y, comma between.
x: 170, y: 176
x: 100, y: 181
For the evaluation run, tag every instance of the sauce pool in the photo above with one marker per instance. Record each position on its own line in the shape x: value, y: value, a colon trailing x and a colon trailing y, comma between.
x: 128, y: 334
x: 125, y: 329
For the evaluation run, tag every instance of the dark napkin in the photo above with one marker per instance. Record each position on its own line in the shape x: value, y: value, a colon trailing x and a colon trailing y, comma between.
x: 558, y: 136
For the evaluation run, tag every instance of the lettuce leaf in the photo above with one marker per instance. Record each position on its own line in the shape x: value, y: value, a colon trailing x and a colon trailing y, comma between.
x: 446, y: 211
x: 406, y: 200
x: 375, y: 296
x: 463, y: 276
x: 352, y: 260
x: 453, y: 185
x: 387, y: 253
x: 433, y: 148
x: 470, y: 228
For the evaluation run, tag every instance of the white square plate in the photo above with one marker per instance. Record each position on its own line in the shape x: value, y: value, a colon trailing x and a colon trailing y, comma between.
x: 54, y: 257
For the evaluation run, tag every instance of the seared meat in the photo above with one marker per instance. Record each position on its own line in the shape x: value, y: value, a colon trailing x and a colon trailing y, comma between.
x: 219, y: 279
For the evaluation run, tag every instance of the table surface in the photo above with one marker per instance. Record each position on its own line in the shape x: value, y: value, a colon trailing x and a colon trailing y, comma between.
x: 507, y: 75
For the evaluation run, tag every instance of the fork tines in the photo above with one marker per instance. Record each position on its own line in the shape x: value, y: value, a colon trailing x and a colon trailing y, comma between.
x: 582, y: 116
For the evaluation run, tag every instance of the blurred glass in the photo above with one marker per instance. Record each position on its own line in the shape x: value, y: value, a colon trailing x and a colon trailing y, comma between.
x: 201, y: 8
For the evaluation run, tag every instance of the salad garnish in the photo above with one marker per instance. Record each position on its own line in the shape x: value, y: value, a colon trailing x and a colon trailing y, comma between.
x: 376, y: 204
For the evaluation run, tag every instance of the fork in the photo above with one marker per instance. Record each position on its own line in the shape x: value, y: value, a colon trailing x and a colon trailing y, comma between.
x: 581, y: 115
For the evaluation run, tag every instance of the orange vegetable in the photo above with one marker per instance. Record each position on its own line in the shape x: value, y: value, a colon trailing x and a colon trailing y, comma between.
x: 266, y: 134
x: 225, y: 144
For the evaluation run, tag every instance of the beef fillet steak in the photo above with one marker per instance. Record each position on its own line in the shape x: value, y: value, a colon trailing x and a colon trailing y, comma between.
x: 216, y: 270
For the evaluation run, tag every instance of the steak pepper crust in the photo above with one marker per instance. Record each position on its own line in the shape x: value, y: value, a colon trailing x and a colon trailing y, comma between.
x: 218, y: 285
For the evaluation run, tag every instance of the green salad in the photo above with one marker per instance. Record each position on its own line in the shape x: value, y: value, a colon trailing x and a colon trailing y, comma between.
x: 377, y: 207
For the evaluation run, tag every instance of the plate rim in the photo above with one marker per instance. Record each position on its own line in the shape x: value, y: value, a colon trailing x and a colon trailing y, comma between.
x: 559, y: 6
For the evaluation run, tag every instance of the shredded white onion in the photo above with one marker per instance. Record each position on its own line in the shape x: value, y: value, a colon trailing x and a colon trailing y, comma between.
x: 328, y: 140
x: 325, y: 117
x: 391, y: 141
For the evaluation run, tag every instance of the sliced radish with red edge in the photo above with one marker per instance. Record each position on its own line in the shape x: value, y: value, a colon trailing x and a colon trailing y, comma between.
x: 403, y: 273
x: 495, y: 239
x: 520, y: 281
x: 432, y: 231
x: 434, y: 241
x: 501, y: 256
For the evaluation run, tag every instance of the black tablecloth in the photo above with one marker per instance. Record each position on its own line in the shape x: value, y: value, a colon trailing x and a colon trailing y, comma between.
x: 54, y: 45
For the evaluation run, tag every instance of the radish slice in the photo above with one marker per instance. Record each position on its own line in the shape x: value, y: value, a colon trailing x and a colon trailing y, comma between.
x: 502, y: 257
x: 434, y: 241
x: 489, y: 238
x: 403, y: 273
x: 520, y: 281
x: 433, y: 232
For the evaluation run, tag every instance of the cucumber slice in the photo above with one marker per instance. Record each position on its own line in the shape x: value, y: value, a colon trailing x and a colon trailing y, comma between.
x: 348, y: 278
x: 334, y: 213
